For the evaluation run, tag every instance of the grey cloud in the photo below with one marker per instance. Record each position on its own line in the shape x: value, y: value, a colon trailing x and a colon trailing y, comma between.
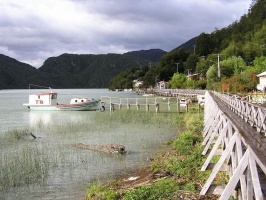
x: 35, y: 30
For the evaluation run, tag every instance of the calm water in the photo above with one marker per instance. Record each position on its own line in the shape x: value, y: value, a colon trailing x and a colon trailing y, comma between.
x: 72, y: 169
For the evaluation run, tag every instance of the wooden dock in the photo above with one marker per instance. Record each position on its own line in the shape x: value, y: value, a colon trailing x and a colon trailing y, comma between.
x: 156, y: 104
x: 235, y: 131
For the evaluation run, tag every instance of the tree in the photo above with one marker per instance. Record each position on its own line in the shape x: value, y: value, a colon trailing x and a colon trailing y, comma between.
x: 235, y: 64
x: 191, y: 62
x: 204, y: 45
x: 178, y: 81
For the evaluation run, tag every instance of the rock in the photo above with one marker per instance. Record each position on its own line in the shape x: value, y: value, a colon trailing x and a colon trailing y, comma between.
x: 108, y: 148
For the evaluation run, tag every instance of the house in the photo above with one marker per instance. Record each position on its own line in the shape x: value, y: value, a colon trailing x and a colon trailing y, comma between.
x: 137, y: 83
x: 262, y: 85
x: 162, y: 85
x: 192, y: 77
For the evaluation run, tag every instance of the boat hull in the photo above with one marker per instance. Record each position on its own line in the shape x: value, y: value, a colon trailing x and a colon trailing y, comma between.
x: 88, y: 106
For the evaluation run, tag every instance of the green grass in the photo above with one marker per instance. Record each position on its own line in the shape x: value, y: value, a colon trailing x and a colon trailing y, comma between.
x: 163, y: 189
x: 184, y: 165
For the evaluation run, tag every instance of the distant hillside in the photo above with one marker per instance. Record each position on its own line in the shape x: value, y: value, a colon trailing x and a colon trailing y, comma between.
x: 88, y: 71
x: 188, y: 46
x: 72, y: 70
x: 153, y: 55
x: 15, y: 74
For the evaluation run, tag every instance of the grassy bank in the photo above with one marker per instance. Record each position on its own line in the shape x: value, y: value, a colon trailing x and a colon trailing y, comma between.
x: 174, y: 174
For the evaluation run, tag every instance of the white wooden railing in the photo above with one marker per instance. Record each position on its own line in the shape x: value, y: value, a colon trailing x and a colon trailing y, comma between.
x: 253, y: 114
x: 238, y: 154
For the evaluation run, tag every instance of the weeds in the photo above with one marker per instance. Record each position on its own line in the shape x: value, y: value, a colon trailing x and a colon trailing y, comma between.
x: 163, y: 189
x: 98, y: 191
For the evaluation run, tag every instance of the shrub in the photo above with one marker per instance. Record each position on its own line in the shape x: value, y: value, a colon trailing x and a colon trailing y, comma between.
x: 185, y: 143
x: 163, y: 189
x: 98, y: 191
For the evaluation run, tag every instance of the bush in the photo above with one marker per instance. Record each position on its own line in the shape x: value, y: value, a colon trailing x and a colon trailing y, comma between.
x: 185, y: 143
x: 101, y: 192
x: 163, y: 189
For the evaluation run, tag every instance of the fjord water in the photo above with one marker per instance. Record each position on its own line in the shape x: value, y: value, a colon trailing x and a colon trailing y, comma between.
x: 68, y: 169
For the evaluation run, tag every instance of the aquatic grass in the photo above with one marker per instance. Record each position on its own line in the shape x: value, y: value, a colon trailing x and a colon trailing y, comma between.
x: 24, y: 166
x: 15, y: 135
x: 52, y: 157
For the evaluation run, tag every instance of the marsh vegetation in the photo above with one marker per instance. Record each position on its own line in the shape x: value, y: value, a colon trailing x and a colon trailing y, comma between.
x: 48, y: 165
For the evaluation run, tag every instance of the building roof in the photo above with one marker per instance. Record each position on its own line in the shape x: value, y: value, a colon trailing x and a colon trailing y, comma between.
x: 262, y: 74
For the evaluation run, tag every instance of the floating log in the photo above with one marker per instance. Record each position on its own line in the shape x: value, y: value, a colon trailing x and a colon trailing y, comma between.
x: 108, y: 148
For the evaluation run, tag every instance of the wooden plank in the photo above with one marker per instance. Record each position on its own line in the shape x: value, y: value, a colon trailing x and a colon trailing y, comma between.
x: 214, y: 133
x: 235, y: 178
x: 219, y: 164
x: 243, y: 184
x: 212, y: 153
x: 255, y: 178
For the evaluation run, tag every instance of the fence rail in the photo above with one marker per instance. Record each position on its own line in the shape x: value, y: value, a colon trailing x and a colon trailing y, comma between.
x: 179, y: 93
x: 253, y: 114
x: 158, y: 104
x: 243, y: 159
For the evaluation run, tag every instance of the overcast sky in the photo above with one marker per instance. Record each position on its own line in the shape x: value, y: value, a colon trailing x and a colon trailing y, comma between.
x: 33, y: 30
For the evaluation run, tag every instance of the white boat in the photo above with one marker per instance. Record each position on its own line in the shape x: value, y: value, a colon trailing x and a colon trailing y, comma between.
x: 48, y: 102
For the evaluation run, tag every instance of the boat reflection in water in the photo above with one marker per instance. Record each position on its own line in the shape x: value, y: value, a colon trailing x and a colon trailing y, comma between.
x: 54, y: 118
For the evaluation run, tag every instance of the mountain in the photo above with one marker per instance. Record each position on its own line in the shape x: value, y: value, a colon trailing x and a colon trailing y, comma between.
x: 73, y: 70
x: 15, y: 74
x: 188, y: 46
x: 88, y: 71
x: 153, y: 55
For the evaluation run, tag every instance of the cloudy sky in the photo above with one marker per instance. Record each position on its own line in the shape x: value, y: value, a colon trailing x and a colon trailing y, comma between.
x: 33, y: 30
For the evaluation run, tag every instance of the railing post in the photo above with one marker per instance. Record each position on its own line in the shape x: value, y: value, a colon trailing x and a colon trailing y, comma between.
x: 128, y: 106
x: 137, y: 104
x: 178, y: 105
x: 147, y: 105
x: 169, y: 108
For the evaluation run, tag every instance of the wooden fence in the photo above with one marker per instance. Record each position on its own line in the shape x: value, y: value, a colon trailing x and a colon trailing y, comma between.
x: 253, y: 114
x: 179, y: 93
x: 240, y: 155
x: 157, y: 104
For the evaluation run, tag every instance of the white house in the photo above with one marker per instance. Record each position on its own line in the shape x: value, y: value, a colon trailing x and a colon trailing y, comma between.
x: 262, y: 85
x: 162, y: 85
x: 137, y: 83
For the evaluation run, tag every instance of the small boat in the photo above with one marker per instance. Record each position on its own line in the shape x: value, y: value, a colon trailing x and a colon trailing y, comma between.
x: 48, y: 102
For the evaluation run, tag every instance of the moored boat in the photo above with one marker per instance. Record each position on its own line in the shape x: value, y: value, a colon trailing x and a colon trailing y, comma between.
x: 48, y: 102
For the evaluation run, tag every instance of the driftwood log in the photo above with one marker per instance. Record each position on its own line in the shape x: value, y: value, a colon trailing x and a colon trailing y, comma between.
x: 108, y: 148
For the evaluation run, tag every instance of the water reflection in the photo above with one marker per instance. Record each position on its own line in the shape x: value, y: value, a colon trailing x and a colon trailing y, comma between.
x: 56, y: 117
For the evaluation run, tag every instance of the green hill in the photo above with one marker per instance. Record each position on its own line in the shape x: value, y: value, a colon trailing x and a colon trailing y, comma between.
x: 15, y: 74
x: 153, y: 55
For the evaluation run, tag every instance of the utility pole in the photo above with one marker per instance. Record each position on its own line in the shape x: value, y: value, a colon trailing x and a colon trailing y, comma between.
x: 219, y: 69
x: 194, y: 49
x: 177, y: 67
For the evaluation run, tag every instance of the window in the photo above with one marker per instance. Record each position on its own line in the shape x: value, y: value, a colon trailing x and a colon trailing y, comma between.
x: 54, y: 96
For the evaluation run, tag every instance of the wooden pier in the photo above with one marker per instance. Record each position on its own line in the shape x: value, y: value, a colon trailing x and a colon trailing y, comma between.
x: 241, y: 144
x: 156, y: 104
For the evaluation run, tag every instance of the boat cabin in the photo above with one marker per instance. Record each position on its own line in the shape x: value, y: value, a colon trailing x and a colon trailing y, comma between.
x: 49, y: 98
x: 79, y: 100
